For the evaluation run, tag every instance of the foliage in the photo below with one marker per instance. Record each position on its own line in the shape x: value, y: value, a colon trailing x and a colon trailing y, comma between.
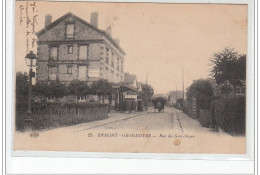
x: 51, y: 115
x: 202, y: 91
x: 147, y: 92
x: 229, y: 114
x: 204, y: 117
x: 78, y: 88
x: 101, y: 87
x: 41, y: 88
x: 128, y: 105
x: 56, y: 89
x: 22, y: 85
x: 229, y: 68
x: 180, y: 101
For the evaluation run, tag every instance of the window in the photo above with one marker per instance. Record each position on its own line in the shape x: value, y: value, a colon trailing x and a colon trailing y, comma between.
x: 83, y: 52
x: 112, y: 60
x: 54, y: 53
x: 53, y: 71
x: 69, y: 69
x: 70, y: 49
x: 118, y: 62
x: 107, y: 52
x: 107, y: 55
x: 82, y: 73
x: 70, y: 31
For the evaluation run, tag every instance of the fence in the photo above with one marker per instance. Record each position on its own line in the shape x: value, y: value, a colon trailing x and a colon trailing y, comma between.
x: 51, y: 115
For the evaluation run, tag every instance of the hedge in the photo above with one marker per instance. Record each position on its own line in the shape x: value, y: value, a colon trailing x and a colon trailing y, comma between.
x: 204, y: 117
x: 128, y: 105
x: 51, y: 115
x: 229, y: 114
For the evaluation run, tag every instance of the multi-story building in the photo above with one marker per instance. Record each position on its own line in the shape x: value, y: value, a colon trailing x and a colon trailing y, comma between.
x: 71, y: 48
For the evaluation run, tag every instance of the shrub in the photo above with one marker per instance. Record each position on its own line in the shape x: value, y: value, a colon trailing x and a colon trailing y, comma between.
x: 229, y: 114
x: 126, y: 105
x: 51, y: 115
x: 204, y: 117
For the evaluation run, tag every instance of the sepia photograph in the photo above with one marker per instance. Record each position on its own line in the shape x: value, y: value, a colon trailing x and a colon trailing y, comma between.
x: 130, y: 77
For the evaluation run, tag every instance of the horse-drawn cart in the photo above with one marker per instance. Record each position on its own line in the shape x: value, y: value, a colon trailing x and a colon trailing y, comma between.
x: 159, y: 101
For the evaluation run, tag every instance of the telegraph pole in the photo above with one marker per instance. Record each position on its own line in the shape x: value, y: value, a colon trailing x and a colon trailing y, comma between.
x: 182, y: 82
x: 176, y: 93
x: 146, y: 100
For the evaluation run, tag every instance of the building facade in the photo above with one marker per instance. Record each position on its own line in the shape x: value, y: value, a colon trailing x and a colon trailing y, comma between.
x: 71, y: 48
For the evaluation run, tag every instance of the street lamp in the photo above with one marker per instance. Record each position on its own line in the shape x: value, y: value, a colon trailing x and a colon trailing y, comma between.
x: 31, y: 62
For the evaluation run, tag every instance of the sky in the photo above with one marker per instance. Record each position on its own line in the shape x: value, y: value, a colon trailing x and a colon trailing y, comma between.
x: 159, y: 39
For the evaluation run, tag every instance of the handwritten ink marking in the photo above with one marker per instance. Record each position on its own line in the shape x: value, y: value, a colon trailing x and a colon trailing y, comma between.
x: 27, y: 44
x: 30, y: 19
x: 21, y: 14
x: 27, y: 15
x: 33, y: 23
x: 33, y: 5
x: 33, y: 42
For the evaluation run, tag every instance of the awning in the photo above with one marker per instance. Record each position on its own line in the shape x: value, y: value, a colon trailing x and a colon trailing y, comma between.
x: 124, y: 87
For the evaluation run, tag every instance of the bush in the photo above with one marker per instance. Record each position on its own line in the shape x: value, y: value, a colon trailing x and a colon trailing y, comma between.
x: 229, y: 114
x: 128, y: 105
x: 204, y: 117
x: 51, y: 115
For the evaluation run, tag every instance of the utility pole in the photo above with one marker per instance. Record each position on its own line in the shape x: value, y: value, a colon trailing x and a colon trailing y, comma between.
x: 146, y: 100
x: 176, y: 93
x: 182, y: 83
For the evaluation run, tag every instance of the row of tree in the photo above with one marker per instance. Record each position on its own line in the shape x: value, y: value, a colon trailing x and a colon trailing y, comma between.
x: 56, y: 89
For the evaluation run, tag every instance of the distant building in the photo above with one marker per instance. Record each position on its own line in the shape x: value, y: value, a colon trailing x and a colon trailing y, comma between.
x: 174, y: 96
x: 71, y: 48
x: 240, y: 90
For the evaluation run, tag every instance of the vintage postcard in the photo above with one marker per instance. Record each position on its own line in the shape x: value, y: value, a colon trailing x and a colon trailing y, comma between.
x: 130, y: 77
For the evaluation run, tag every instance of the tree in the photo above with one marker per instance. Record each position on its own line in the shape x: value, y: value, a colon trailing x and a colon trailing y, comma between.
x: 202, y: 91
x: 229, y: 68
x: 147, y: 92
x: 78, y: 88
x: 40, y: 88
x: 22, y: 86
x: 101, y: 88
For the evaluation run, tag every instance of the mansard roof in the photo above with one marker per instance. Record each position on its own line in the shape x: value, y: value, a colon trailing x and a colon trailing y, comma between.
x: 69, y: 14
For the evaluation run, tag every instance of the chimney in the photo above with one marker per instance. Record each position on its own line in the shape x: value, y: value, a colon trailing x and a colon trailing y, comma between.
x: 109, y: 31
x: 47, y: 19
x: 94, y: 19
x: 117, y: 41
